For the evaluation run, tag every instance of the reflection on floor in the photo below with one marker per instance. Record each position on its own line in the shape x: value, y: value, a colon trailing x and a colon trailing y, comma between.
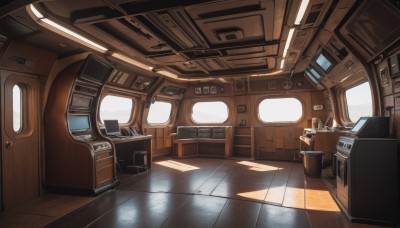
x: 213, y: 193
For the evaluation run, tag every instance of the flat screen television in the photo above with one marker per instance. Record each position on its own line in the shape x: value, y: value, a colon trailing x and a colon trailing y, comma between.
x: 371, y: 127
x: 324, y: 60
x: 112, y: 127
x: 95, y: 70
x: 79, y: 123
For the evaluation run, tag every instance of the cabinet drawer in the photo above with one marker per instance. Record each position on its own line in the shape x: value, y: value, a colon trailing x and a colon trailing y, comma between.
x: 104, y: 162
x: 103, y: 154
x: 105, y: 175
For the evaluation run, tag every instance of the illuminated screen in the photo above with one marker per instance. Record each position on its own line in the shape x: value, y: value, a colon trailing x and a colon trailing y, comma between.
x: 78, y: 122
x: 360, y: 123
x: 315, y: 73
x: 323, y: 62
x: 311, y: 77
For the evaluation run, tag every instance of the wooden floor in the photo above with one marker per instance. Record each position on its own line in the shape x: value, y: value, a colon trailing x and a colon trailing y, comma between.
x: 204, y: 193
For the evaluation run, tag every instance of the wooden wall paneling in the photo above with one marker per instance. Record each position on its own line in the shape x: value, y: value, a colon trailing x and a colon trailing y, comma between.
x: 289, y: 137
x: 269, y: 139
x: 242, y: 100
x: 168, y: 138
x: 318, y: 98
x: 279, y: 139
x: 159, y: 138
x: 385, y: 82
x: 298, y: 131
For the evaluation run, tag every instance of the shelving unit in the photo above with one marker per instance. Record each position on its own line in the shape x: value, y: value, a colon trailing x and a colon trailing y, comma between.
x: 243, y: 142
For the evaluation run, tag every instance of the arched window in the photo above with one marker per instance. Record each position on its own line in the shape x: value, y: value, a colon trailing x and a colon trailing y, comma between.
x: 358, y: 101
x: 17, y: 108
x: 276, y: 110
x: 210, y: 112
x: 159, y: 113
x: 116, y: 108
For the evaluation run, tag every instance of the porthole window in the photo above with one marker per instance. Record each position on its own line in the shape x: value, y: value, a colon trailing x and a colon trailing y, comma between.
x: 17, y: 108
x: 116, y: 108
x: 359, y: 101
x: 159, y: 113
x: 280, y: 110
x: 210, y: 112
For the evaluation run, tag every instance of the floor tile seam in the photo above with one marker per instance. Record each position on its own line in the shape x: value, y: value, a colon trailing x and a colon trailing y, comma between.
x: 219, y: 215
x: 108, y: 211
x: 176, y: 211
x: 272, y: 181
x: 29, y: 213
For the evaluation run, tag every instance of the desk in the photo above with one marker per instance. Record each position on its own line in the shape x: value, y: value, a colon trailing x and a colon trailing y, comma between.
x: 124, y: 147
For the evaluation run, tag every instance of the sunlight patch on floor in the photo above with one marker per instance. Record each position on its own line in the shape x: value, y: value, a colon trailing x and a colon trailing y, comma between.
x: 258, y: 167
x: 177, y: 165
x: 320, y: 200
x: 256, y: 195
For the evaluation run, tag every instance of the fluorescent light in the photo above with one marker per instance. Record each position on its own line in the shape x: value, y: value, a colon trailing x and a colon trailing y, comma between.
x: 131, y: 61
x: 65, y: 31
x: 36, y: 12
x: 167, y: 73
x: 288, y: 40
x: 300, y: 13
x: 282, y: 64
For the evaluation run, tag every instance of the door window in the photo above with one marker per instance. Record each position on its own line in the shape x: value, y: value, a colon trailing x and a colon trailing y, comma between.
x: 17, y: 108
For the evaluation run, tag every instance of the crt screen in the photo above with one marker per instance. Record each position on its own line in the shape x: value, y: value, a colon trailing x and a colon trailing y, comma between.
x: 79, y: 122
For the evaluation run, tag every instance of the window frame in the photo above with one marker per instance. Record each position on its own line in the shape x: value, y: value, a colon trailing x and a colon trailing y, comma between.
x: 285, y: 123
x: 170, y: 119
x: 116, y: 94
x: 210, y: 124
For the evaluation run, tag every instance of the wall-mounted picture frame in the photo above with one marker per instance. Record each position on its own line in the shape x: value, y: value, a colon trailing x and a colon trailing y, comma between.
x: 213, y: 89
x: 241, y: 108
x: 206, y: 90
x: 197, y: 90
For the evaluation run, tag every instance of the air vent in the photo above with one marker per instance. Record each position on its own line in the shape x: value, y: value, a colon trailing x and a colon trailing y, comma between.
x: 230, y: 35
x: 314, y: 13
x: 301, y: 37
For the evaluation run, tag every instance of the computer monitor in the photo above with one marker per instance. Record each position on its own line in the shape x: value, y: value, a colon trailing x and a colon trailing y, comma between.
x: 78, y: 123
x: 112, y: 127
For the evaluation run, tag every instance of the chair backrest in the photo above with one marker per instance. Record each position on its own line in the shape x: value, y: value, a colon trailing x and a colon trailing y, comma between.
x: 185, y: 132
x: 204, y: 132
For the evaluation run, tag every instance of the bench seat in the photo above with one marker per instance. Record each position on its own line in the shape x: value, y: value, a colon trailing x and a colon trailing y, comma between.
x: 204, y: 141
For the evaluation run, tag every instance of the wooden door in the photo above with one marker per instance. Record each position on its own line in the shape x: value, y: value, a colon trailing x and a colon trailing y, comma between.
x: 20, y: 138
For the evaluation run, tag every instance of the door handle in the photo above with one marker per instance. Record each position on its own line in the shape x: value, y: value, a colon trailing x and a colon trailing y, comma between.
x: 9, y: 144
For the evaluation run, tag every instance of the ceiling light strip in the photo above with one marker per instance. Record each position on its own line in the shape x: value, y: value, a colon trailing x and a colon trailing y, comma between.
x: 300, y: 13
x: 65, y: 32
x: 288, y: 40
x: 131, y: 61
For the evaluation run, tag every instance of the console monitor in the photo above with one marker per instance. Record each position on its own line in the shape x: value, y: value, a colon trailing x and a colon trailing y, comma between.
x: 371, y: 127
x: 78, y: 123
x: 112, y: 127
x: 324, y: 61
x: 95, y: 70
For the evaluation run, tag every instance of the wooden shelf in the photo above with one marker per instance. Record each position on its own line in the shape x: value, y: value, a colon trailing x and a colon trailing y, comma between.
x: 243, y: 143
